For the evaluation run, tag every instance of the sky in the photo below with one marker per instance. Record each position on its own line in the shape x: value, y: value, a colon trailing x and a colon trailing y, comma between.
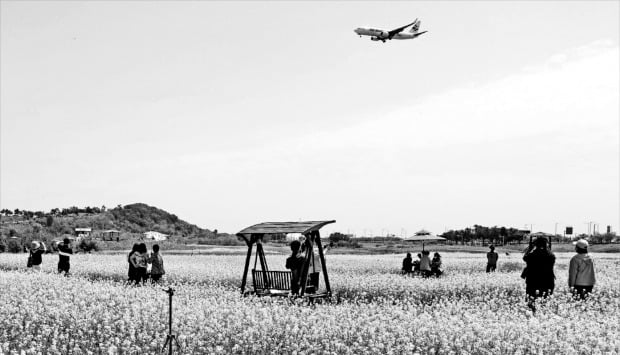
x: 228, y: 114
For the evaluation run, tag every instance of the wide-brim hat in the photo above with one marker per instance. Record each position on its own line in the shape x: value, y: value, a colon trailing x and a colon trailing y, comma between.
x: 35, y: 245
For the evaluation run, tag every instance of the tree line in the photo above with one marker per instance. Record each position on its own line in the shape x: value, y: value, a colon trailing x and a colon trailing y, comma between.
x: 53, y: 212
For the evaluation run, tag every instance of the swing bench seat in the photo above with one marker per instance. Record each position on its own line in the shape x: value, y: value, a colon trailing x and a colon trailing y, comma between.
x: 278, y: 283
x: 271, y: 282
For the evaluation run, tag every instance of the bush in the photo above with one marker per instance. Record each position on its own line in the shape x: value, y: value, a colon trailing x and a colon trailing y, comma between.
x: 88, y: 245
x: 14, y: 247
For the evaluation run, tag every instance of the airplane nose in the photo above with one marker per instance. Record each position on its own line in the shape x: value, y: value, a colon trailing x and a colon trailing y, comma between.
x: 356, y: 30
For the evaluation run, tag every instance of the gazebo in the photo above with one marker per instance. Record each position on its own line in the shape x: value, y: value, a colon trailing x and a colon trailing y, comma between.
x: 278, y: 283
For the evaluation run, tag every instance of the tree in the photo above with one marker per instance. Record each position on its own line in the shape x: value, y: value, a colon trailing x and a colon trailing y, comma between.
x: 339, y: 237
x: 17, y: 212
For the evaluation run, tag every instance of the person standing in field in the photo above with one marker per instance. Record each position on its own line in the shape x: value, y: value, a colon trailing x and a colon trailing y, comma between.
x: 131, y: 273
x: 157, y: 264
x: 295, y: 263
x: 139, y: 261
x: 581, y: 278
x: 539, y: 276
x: 64, y: 253
x: 35, y: 258
x: 407, y: 264
x: 425, y: 263
x: 492, y: 257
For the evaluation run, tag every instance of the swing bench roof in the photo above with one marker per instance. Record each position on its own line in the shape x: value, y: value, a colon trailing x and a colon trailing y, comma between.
x: 284, y: 227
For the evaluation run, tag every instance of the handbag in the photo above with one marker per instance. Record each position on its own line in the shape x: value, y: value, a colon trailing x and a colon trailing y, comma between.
x: 29, y: 262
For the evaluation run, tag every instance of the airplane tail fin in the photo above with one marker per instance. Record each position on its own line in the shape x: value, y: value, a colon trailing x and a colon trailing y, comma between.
x: 416, y: 26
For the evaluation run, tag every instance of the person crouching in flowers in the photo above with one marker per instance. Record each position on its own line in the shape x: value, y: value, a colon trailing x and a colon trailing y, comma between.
x: 581, y: 277
x: 416, y: 264
x: 425, y: 264
x: 157, y: 264
x: 436, y: 265
x: 35, y: 258
x: 539, y: 276
x: 407, y: 264
x: 295, y: 263
x: 138, y: 259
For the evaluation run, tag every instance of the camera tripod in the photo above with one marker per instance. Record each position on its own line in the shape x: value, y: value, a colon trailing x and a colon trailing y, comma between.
x: 170, y: 337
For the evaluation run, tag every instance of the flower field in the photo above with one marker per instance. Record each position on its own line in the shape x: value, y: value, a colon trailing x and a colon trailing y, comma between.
x: 375, y: 310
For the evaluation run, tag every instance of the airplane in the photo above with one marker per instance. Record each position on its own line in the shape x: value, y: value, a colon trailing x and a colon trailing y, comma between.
x: 381, y: 35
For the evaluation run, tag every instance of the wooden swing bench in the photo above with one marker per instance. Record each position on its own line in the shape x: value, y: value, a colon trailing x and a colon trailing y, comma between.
x: 278, y: 283
x: 271, y: 282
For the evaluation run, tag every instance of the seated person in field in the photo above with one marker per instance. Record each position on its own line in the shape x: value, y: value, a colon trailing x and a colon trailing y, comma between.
x: 425, y: 263
x: 295, y: 263
x: 436, y: 265
x: 416, y: 264
x: 407, y: 264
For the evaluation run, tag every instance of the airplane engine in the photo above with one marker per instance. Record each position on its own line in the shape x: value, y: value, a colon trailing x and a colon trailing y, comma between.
x: 385, y: 34
x: 375, y: 38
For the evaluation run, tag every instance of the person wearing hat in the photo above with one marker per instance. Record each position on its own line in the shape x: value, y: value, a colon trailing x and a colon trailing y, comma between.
x: 539, y: 278
x: 35, y: 258
x: 492, y: 257
x: 581, y: 278
x: 64, y: 253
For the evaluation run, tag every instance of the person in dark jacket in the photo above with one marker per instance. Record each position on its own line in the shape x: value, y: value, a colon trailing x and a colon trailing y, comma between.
x: 492, y: 257
x: 539, y: 276
x: 37, y: 249
x: 132, y: 270
x: 295, y: 263
x: 436, y: 265
x: 407, y: 264
x: 64, y: 254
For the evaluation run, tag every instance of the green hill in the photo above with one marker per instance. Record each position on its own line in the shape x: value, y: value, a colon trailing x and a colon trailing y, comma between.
x: 130, y: 220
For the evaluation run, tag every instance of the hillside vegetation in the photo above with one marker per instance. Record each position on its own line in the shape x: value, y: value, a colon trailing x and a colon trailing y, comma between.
x: 131, y: 221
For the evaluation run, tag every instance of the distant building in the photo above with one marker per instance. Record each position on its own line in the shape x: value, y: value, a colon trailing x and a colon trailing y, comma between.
x: 110, y: 234
x: 155, y: 235
x: 83, y: 232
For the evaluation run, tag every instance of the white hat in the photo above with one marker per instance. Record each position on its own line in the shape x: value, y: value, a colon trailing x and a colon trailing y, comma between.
x: 581, y: 243
x: 35, y: 245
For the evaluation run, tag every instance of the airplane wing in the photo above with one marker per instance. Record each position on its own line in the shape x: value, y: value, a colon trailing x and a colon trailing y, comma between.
x: 398, y: 30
